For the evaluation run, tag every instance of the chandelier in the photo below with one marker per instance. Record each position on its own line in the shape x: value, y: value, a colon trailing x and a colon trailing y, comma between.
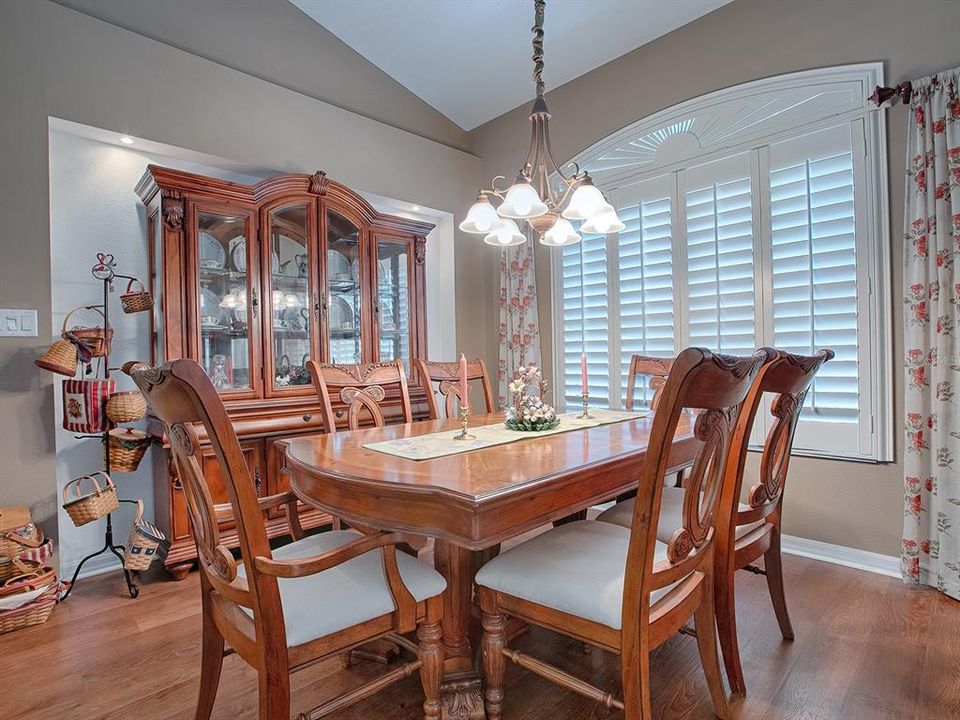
x: 542, y: 196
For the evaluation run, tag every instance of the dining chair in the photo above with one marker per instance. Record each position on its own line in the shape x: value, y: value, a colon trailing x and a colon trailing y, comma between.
x: 362, y: 389
x: 283, y: 609
x: 443, y: 378
x: 653, y: 371
x: 747, y: 531
x: 620, y: 588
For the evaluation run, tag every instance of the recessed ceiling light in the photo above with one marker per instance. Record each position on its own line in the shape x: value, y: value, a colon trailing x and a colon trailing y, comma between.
x: 415, y: 208
x: 126, y: 140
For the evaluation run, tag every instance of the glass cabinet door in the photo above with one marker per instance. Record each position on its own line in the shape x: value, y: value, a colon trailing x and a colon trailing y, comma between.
x: 228, y: 301
x: 289, y: 302
x: 344, y: 282
x: 392, y: 311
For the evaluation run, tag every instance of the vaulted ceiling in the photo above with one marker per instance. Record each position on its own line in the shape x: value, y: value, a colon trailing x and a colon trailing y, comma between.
x: 470, y: 59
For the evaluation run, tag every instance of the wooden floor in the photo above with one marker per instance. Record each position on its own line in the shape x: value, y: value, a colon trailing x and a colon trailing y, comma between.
x: 867, y: 647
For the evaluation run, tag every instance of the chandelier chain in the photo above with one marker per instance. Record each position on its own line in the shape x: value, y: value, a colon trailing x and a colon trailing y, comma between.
x: 537, y: 29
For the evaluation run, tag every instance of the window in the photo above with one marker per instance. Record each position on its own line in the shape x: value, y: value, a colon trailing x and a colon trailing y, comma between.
x: 752, y: 220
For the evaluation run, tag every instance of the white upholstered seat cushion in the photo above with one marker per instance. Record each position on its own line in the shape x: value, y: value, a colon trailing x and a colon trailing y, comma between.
x: 345, y: 595
x: 671, y: 515
x: 577, y: 568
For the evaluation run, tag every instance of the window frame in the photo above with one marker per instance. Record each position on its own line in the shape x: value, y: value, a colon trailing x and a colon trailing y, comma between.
x: 871, y: 206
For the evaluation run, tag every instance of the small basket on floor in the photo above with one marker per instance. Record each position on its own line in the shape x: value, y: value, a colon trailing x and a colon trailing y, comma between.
x: 92, y: 506
x: 40, y: 554
x: 18, y: 532
x: 126, y: 448
x: 35, y: 609
x: 146, y: 542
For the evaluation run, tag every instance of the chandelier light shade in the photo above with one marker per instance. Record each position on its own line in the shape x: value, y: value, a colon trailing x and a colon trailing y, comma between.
x: 522, y: 202
x: 562, y: 233
x: 481, y: 217
x: 505, y: 233
x: 604, y: 222
x: 585, y: 202
x: 543, y: 197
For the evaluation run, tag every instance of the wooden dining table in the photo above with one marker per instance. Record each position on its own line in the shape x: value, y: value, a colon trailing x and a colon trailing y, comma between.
x: 471, y: 502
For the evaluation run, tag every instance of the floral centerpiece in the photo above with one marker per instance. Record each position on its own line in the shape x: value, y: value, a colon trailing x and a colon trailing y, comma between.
x: 529, y: 412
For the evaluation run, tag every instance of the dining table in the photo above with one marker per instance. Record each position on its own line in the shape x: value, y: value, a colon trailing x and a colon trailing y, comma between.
x: 472, y: 501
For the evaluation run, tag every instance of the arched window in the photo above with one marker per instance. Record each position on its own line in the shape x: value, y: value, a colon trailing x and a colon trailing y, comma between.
x: 756, y: 215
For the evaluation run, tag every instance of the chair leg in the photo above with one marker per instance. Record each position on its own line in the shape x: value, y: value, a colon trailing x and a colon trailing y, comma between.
x: 707, y: 643
x: 211, y: 663
x: 430, y: 636
x: 492, y: 646
x: 774, y: 567
x: 724, y: 594
x: 274, y: 694
x: 635, y: 677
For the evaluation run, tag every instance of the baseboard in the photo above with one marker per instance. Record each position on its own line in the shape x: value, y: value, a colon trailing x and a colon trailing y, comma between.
x: 840, y: 555
x: 107, y: 562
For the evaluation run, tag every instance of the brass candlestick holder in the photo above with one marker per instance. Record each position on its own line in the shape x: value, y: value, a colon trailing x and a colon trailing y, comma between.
x: 464, y: 415
x: 585, y: 415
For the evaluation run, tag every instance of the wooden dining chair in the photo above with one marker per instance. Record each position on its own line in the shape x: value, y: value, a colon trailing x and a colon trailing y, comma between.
x: 751, y: 530
x: 443, y: 378
x: 362, y: 389
x: 283, y: 609
x: 649, y: 370
x: 621, y: 588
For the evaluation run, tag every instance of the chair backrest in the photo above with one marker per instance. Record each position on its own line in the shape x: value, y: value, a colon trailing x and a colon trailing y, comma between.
x: 446, y: 377
x: 788, y: 377
x: 655, y: 369
x: 181, y: 394
x: 362, y: 388
x: 714, y: 386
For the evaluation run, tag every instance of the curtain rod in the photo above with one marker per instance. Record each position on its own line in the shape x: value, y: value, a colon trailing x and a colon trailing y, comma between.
x: 901, y: 92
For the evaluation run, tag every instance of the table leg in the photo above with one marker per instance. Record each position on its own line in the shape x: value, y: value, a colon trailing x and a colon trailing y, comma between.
x: 461, y: 693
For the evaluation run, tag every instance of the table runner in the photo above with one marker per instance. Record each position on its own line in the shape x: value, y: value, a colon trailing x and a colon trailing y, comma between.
x: 440, y: 444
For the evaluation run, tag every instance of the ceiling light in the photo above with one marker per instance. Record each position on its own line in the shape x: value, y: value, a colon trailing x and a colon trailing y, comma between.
x: 543, y: 196
x: 415, y: 208
x: 126, y: 140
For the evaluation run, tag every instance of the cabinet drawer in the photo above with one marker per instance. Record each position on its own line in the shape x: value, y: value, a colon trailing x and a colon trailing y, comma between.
x: 252, y: 453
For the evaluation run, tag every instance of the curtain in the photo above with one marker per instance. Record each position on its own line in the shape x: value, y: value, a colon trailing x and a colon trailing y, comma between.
x: 931, y: 281
x: 519, y: 325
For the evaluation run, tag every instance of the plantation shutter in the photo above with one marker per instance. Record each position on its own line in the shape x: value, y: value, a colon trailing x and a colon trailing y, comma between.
x: 645, y: 261
x: 585, y: 320
x: 720, y: 264
x: 814, y: 275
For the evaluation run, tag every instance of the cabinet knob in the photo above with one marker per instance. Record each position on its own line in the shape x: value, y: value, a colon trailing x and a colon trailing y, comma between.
x: 339, y: 413
x: 307, y: 417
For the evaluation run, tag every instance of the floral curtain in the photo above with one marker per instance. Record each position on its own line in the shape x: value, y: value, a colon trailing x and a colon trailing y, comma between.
x: 931, y: 280
x: 519, y: 326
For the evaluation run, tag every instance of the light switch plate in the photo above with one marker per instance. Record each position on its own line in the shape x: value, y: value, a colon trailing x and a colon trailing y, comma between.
x: 18, y: 323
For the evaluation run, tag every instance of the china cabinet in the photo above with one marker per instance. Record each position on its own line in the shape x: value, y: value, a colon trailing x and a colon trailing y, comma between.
x: 251, y: 281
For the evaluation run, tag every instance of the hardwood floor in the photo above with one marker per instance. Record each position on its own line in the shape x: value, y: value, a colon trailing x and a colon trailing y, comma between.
x: 867, y: 647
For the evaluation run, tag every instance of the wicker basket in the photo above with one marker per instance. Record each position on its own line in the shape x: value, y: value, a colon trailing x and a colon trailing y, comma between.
x: 60, y: 358
x: 93, y: 506
x: 35, y: 612
x: 145, y: 543
x: 96, y: 339
x: 134, y: 301
x: 40, y: 555
x: 18, y: 532
x: 126, y: 406
x: 32, y: 576
x: 126, y: 448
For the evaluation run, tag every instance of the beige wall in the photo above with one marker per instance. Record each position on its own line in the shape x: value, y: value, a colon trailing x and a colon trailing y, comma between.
x: 57, y: 62
x: 275, y: 41
x: 852, y: 504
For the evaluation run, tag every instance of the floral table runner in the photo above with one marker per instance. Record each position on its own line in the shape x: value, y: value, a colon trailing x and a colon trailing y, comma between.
x: 440, y: 444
